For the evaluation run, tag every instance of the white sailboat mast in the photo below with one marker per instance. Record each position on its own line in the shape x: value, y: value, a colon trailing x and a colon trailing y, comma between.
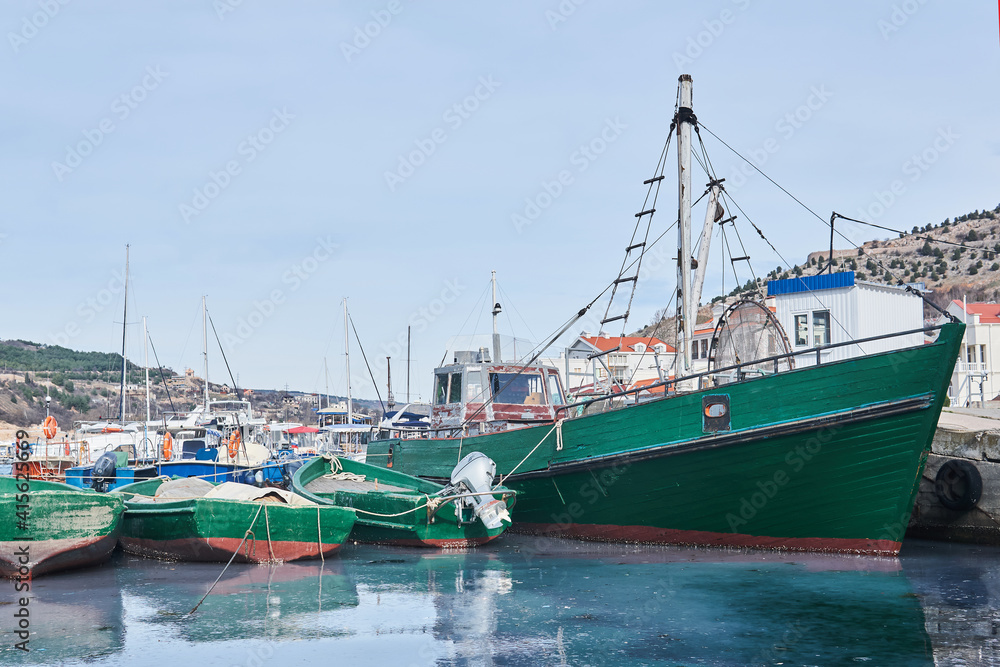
x: 121, y: 416
x: 145, y: 363
x: 204, y: 335
x: 347, y: 356
x: 684, y: 216
x: 711, y: 215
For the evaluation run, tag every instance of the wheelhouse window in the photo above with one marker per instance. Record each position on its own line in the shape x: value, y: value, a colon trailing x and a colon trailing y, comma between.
x: 801, y: 330
x: 524, y: 389
x: 474, y: 387
x: 455, y: 393
x: 821, y: 327
x: 555, y: 390
x: 440, y: 388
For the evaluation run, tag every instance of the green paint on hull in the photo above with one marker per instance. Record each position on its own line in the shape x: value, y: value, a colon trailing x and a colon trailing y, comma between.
x: 825, y: 453
x: 395, y: 517
x: 209, y: 529
x: 59, y: 526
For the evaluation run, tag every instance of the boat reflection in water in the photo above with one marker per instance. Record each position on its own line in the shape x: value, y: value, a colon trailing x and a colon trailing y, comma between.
x: 69, y: 619
x: 525, y: 601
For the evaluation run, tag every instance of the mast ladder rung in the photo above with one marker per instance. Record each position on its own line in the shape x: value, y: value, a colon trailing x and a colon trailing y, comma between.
x: 648, y: 211
x: 614, y: 319
x: 740, y: 259
x: 601, y: 354
x: 652, y: 180
x: 630, y: 279
x: 637, y: 245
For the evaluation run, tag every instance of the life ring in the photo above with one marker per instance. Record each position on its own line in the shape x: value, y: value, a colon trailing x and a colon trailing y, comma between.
x: 958, y: 485
x: 234, y: 444
x: 168, y: 446
x: 49, y: 427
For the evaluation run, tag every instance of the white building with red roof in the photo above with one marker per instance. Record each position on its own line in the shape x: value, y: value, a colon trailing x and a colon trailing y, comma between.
x: 975, y: 379
x: 603, y: 363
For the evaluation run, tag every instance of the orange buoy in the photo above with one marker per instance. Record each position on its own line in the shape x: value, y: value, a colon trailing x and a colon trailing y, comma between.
x: 49, y: 427
x: 234, y: 444
x: 168, y: 446
x: 66, y: 448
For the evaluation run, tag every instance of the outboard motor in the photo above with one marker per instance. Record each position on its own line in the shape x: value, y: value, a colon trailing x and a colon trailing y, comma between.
x: 288, y: 471
x: 474, y: 474
x: 104, y: 471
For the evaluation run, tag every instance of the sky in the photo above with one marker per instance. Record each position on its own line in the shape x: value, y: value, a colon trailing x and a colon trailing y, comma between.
x: 276, y: 158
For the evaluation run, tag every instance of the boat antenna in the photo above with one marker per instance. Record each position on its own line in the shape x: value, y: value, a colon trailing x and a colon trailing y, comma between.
x: 407, y: 364
x: 236, y: 388
x: 496, y: 312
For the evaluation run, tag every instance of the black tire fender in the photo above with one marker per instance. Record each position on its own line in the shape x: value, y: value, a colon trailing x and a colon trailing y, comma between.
x: 958, y: 485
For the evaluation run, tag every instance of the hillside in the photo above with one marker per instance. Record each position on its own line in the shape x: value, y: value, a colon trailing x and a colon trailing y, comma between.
x: 953, y: 259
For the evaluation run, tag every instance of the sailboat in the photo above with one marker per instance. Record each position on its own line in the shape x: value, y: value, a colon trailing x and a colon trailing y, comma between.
x: 825, y: 457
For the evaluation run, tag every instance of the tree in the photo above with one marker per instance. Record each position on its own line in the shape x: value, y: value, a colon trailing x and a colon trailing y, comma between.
x: 995, y: 267
x: 973, y: 270
x: 926, y: 249
x: 972, y: 235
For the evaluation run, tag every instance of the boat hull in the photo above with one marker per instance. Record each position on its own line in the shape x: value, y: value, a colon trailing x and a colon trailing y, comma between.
x: 398, y: 518
x: 207, y: 529
x: 824, y: 458
x: 65, y: 528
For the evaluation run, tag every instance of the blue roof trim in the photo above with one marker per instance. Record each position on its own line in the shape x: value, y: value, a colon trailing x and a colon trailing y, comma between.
x: 810, y: 283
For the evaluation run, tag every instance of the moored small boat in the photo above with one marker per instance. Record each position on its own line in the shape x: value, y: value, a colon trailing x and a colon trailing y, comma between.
x: 194, y: 520
x: 50, y: 526
x: 396, y: 508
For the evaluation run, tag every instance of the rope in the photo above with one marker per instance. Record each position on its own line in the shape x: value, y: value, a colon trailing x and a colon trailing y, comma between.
x: 267, y: 524
x: 558, y: 424
x: 345, y: 476
x: 245, y: 536
x: 319, y: 536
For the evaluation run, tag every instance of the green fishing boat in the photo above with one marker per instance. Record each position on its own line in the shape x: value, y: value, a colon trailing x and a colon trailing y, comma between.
x: 394, y: 508
x: 193, y: 520
x: 807, y: 449
x: 50, y: 526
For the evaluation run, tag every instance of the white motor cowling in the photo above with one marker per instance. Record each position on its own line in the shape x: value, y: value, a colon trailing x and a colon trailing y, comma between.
x: 474, y: 474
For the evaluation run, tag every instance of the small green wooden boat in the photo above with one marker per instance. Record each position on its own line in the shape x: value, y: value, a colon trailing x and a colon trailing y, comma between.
x: 194, y: 520
x: 50, y: 526
x: 395, y: 508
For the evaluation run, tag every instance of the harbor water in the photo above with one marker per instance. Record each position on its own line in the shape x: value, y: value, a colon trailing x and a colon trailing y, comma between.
x: 523, y: 601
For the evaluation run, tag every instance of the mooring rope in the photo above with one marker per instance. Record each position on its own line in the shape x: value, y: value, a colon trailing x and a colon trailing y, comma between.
x: 245, y: 536
x: 558, y: 425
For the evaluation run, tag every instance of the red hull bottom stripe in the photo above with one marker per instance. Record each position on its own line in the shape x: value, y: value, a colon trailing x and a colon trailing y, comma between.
x: 650, y: 534
x: 215, y: 549
x: 54, y: 555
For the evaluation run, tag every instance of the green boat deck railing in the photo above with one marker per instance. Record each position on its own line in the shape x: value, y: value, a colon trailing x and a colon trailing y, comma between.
x: 741, y: 374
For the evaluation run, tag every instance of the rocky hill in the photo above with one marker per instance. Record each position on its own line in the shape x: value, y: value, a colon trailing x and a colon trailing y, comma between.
x: 954, y: 259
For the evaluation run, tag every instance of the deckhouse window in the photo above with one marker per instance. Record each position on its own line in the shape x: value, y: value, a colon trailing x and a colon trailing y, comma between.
x: 455, y: 393
x: 441, y: 388
x: 555, y: 391
x: 524, y: 389
x: 474, y: 387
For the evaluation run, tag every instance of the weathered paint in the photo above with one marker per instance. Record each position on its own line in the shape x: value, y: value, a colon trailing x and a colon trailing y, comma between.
x: 209, y: 529
x: 828, y: 455
x: 64, y: 527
